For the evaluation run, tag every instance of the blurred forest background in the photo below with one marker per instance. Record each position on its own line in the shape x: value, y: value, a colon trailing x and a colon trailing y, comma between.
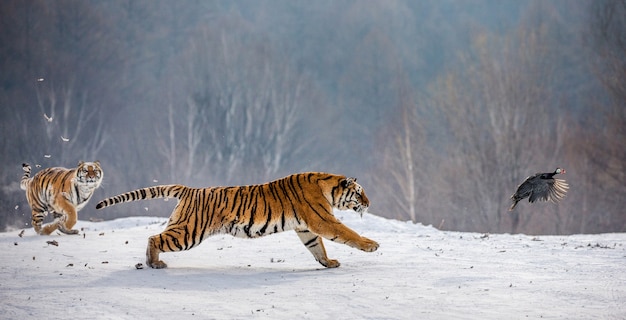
x: 440, y: 108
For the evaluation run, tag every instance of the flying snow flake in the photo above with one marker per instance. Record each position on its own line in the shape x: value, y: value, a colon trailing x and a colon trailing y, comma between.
x: 155, y: 180
x: 37, y: 166
x: 17, y: 207
x: 49, y: 119
x: 65, y: 139
x: 40, y: 79
x: 145, y: 208
x: 47, y: 156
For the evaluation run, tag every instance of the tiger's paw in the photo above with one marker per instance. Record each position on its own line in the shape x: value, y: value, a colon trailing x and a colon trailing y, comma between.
x: 157, y: 264
x: 330, y: 263
x: 369, y: 245
x: 71, y: 231
x: 68, y: 231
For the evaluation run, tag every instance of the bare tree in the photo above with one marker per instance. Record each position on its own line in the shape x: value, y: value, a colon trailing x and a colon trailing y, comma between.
x: 604, y: 152
x: 608, y: 35
x: 409, y: 163
x: 503, y: 124
x: 63, y: 108
x: 607, y: 27
x: 72, y: 127
x: 244, y: 108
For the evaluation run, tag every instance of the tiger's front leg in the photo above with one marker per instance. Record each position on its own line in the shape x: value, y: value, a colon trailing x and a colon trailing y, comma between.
x: 337, y: 232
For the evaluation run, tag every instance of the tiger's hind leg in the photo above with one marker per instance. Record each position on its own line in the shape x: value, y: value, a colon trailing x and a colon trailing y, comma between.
x: 170, y: 240
x: 49, y: 228
x: 37, y: 221
x: 153, y: 251
x: 58, y: 223
x: 314, y: 243
x: 66, y: 216
x: 40, y: 228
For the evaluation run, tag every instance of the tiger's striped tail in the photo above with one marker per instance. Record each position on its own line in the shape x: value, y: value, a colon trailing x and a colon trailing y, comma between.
x: 165, y: 191
x: 26, y: 177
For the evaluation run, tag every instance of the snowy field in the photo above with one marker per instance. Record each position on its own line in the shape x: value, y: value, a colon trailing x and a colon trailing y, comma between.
x: 418, y: 273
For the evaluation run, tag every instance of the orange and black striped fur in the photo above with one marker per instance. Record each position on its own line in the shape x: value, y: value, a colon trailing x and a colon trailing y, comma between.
x: 302, y: 202
x: 62, y: 192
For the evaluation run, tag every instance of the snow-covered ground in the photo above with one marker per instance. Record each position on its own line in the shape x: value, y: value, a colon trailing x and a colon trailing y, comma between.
x: 418, y: 273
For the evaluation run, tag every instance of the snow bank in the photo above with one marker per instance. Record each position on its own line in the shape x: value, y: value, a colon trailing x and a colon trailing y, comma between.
x: 418, y: 273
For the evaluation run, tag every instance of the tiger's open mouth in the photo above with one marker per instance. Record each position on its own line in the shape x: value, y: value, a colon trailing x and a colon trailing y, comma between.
x: 359, y: 208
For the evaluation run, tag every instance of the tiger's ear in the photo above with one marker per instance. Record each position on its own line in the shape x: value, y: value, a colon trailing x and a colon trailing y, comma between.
x: 80, y: 163
x: 348, y: 182
x: 97, y: 162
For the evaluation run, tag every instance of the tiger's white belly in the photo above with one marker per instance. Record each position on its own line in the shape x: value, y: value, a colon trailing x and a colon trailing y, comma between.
x: 244, y: 230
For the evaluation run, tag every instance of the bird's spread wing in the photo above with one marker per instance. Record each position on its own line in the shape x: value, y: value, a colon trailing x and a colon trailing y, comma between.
x: 525, y: 188
x: 549, y: 190
x: 558, y: 190
x: 540, y: 190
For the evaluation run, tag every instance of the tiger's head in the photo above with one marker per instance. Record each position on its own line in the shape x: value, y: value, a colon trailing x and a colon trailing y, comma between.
x: 89, y: 174
x: 351, y: 196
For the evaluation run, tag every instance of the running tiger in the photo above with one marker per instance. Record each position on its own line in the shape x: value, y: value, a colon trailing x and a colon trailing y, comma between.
x: 302, y: 202
x: 62, y: 192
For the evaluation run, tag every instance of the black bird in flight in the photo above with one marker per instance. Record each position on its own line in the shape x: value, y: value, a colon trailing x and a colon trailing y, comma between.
x: 541, y: 186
